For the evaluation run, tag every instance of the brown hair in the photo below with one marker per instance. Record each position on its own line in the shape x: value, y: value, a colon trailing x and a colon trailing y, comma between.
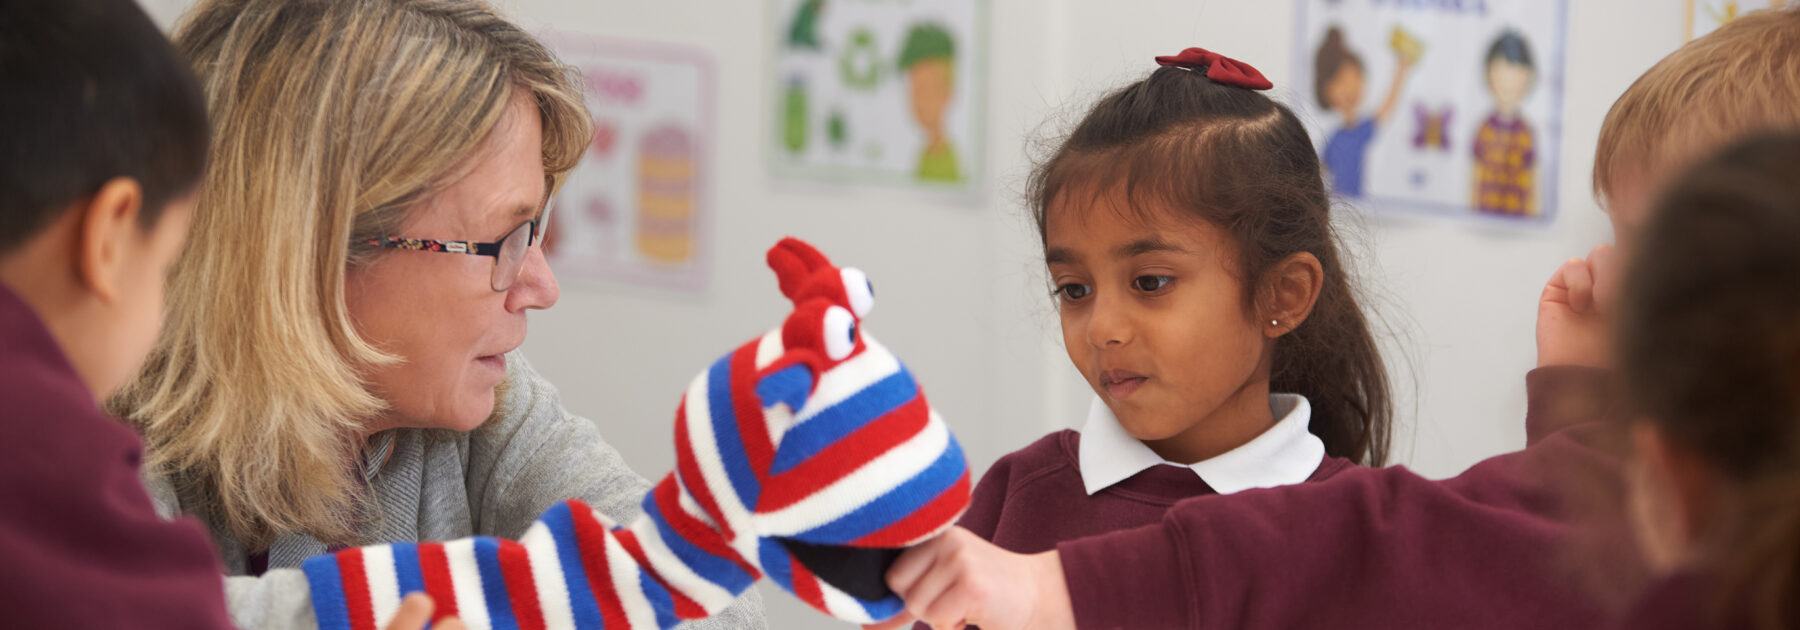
x: 1240, y: 161
x: 1742, y: 78
x: 1710, y: 348
x: 1333, y: 55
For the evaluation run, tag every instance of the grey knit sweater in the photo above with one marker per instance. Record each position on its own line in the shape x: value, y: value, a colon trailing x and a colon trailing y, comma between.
x: 437, y: 485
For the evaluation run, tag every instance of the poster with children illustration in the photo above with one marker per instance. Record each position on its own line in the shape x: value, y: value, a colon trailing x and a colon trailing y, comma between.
x: 883, y: 92
x: 638, y: 208
x: 1705, y: 16
x: 1441, y: 107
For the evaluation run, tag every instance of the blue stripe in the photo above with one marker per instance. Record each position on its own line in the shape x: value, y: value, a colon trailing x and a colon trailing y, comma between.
x: 659, y: 599
x: 327, y: 592
x: 493, y: 584
x: 896, y: 504
x: 725, y: 433
x: 561, y: 521
x: 833, y: 424
x: 884, y: 609
x: 406, y: 568
x: 720, y: 571
x: 775, y: 563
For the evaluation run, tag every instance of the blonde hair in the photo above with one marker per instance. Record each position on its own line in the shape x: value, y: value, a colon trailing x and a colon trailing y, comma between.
x: 1741, y: 79
x: 332, y: 118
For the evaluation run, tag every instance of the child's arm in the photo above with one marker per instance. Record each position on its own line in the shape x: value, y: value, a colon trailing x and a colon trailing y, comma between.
x: 1392, y: 102
x: 571, y: 567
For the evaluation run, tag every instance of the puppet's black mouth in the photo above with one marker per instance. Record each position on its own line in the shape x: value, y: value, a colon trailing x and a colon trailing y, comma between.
x: 857, y: 571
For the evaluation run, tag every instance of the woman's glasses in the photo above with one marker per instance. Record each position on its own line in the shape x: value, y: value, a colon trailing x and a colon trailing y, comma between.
x: 508, y: 252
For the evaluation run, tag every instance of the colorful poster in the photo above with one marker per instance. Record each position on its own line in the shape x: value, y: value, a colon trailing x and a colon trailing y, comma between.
x: 639, y: 206
x: 1703, y: 16
x: 1448, y: 107
x: 886, y: 92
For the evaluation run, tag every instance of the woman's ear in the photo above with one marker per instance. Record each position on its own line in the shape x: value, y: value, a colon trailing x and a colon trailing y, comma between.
x: 1289, y: 290
x: 109, y: 227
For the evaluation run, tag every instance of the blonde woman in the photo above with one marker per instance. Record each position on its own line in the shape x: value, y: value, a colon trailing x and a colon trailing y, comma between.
x: 338, y: 365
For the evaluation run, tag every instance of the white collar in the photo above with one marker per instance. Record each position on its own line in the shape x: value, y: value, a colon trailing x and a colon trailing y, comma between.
x: 1285, y: 454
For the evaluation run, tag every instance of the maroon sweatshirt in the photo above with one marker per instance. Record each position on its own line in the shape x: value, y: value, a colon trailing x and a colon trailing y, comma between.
x: 1033, y: 498
x: 81, y: 546
x: 1510, y: 543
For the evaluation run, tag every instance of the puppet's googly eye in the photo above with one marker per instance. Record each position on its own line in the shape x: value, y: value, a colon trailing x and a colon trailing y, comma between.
x: 840, y: 333
x: 860, y: 291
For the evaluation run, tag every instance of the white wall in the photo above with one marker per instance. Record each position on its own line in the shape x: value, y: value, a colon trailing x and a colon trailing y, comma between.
x: 962, y: 298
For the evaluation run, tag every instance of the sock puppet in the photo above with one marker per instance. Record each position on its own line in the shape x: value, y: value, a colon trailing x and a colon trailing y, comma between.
x: 808, y: 455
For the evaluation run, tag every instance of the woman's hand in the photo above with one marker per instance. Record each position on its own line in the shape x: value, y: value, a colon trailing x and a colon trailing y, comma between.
x: 415, y: 612
x: 1574, y: 311
x: 959, y: 579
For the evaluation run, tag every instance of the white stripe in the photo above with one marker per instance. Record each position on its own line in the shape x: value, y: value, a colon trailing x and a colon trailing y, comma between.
x: 712, y: 469
x: 678, y: 574
x: 384, y: 586
x: 692, y: 507
x: 850, y: 377
x: 465, y: 580
x: 843, y: 606
x: 769, y: 349
x: 850, y: 492
x: 624, y: 569
x: 547, y: 574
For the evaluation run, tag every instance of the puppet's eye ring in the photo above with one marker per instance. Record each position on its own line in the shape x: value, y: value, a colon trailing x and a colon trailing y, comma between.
x: 840, y: 333
x: 860, y: 291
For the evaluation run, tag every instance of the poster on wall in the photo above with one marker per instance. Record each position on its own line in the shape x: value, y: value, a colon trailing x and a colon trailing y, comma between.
x: 1705, y: 16
x: 883, y: 92
x: 1446, y: 108
x: 638, y: 208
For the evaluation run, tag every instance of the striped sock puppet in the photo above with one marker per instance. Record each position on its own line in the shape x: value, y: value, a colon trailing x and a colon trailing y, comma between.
x: 808, y: 455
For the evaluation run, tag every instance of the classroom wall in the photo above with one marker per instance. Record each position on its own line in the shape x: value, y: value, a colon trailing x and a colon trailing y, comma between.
x: 962, y: 296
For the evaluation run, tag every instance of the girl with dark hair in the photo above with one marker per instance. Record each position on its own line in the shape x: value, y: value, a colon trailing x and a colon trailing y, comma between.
x: 1338, y: 79
x: 1188, y: 237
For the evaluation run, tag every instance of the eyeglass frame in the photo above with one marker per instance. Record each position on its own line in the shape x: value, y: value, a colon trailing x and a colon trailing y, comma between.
x: 539, y: 226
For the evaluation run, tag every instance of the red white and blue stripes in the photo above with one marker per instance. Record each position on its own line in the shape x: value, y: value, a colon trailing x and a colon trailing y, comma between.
x: 813, y: 433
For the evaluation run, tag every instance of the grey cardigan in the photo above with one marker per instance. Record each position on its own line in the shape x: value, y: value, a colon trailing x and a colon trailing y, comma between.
x: 438, y: 485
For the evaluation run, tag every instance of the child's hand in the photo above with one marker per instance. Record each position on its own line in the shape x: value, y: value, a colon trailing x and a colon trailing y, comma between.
x: 959, y: 579
x: 415, y: 611
x: 1573, y: 312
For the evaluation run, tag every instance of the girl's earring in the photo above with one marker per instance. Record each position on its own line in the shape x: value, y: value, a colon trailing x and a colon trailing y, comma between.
x: 1274, y: 322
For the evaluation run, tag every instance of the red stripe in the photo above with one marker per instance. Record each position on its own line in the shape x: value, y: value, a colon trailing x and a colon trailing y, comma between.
x: 689, y: 469
x: 845, y: 456
x: 927, y: 519
x: 435, y: 566
x: 356, y: 589
x: 515, y: 565
x: 684, y: 608
x: 753, y: 428
x: 590, y: 536
x: 806, y: 587
x: 693, y: 530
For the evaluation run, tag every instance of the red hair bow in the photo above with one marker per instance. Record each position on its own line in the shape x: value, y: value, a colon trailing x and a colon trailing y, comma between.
x: 1220, y: 68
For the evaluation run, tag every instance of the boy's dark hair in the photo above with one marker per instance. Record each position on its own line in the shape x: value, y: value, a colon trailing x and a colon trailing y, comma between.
x: 1242, y: 162
x: 90, y: 90
x: 1333, y: 55
x: 1512, y: 47
x: 1709, y: 346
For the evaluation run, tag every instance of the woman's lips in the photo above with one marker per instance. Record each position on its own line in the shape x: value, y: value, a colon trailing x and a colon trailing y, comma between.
x: 1120, y: 383
x: 496, y: 362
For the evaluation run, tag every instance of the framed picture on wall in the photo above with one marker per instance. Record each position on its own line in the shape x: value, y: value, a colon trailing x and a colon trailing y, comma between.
x: 1446, y: 109
x: 1703, y: 16
x: 879, y: 92
x: 638, y: 208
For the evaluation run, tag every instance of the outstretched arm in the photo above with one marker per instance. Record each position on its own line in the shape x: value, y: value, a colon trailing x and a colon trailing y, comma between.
x: 1392, y: 102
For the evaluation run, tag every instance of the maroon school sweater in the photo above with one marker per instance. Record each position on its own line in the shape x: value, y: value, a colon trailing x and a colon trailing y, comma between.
x: 81, y: 545
x: 1502, y: 545
x: 1034, y: 498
